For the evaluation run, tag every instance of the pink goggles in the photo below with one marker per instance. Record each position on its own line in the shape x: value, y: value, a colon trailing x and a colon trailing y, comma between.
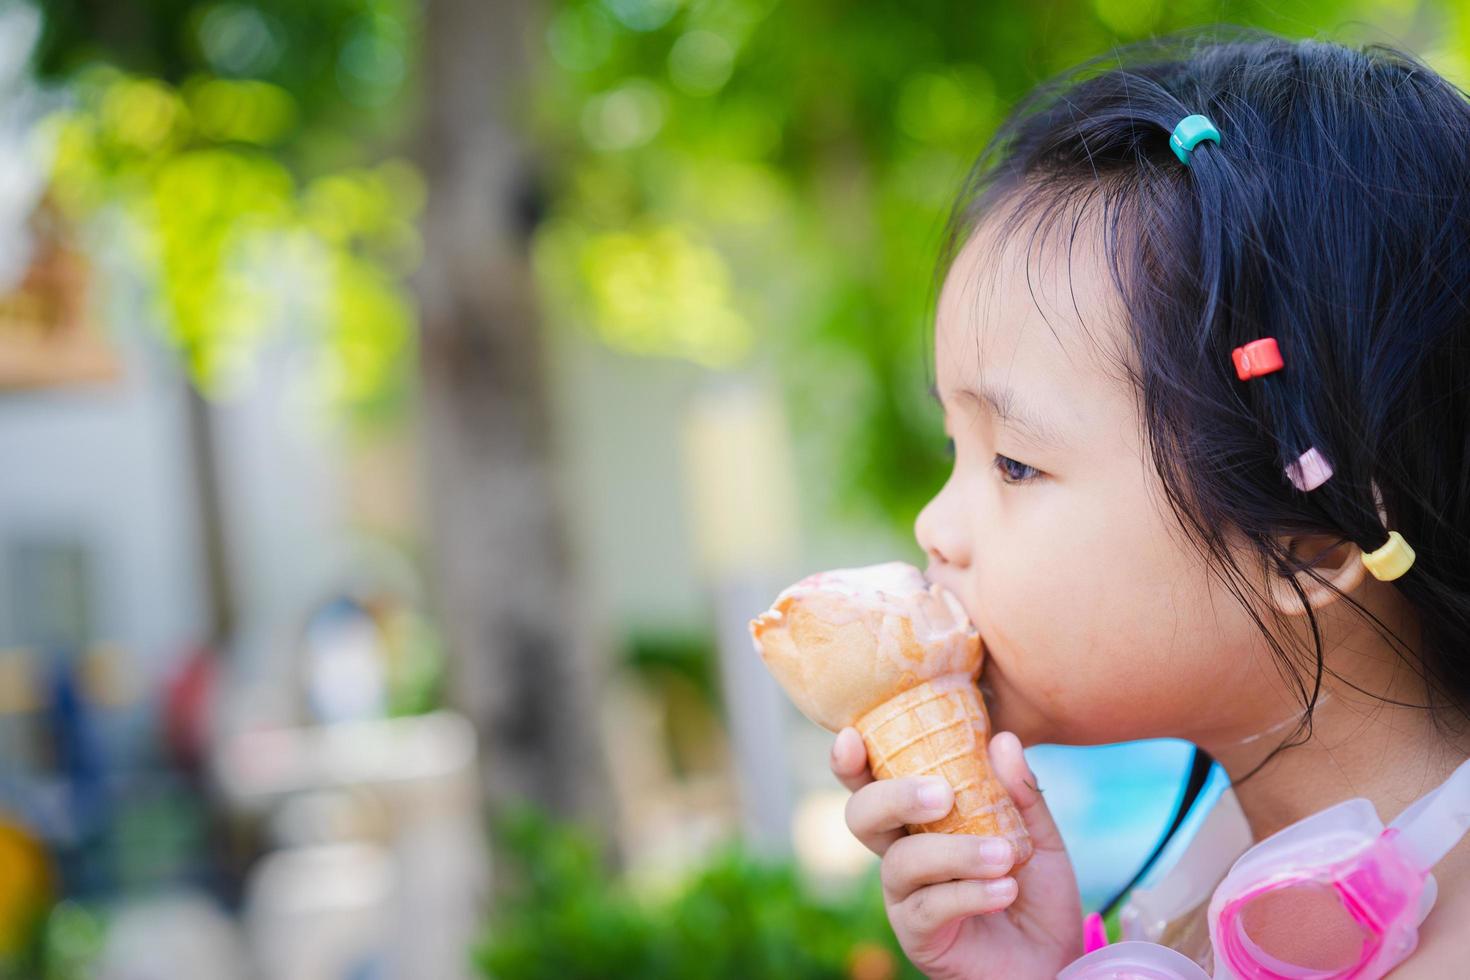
x: 1335, y: 895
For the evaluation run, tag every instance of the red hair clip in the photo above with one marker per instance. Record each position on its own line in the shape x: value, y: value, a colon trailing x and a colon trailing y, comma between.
x: 1257, y: 358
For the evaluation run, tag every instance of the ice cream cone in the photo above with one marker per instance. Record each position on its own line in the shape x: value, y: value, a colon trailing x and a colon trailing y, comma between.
x: 940, y: 728
x: 886, y: 651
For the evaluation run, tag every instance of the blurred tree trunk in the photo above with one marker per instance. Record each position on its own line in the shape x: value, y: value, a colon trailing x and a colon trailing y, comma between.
x: 523, y: 666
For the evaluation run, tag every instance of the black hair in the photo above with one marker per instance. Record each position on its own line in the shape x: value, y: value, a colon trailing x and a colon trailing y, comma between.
x: 1333, y: 215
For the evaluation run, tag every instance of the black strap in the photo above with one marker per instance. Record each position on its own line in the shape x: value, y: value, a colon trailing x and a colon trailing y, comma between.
x: 1199, y: 771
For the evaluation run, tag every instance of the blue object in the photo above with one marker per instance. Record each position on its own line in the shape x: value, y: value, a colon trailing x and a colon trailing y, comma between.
x: 1189, y: 132
x: 1215, y: 786
x: 1200, y: 768
x: 1112, y: 803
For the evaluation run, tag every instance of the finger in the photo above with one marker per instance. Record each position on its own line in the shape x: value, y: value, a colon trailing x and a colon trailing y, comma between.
x: 932, y: 907
x: 928, y: 859
x: 878, y: 812
x: 849, y: 760
x: 1009, y: 764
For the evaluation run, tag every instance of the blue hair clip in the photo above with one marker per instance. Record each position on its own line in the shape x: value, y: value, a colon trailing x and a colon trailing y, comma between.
x: 1188, y: 132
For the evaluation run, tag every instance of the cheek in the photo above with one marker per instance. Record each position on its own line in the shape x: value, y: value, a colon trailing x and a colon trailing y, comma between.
x: 1109, y: 630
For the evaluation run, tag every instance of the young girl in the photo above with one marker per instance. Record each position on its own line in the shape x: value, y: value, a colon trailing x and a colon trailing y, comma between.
x: 1154, y: 541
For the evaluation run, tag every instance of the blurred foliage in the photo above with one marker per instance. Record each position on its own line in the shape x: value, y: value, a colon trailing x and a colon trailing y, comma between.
x: 1112, y: 923
x: 756, y: 184
x: 345, y: 65
x: 743, y: 184
x: 224, y: 145
x: 679, y: 670
x: 417, y: 663
x: 65, y: 944
x: 736, y: 917
x: 74, y: 936
x: 689, y: 655
x: 27, y: 889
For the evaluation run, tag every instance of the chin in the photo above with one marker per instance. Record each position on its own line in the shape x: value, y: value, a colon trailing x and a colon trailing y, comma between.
x: 1008, y: 713
x: 993, y: 696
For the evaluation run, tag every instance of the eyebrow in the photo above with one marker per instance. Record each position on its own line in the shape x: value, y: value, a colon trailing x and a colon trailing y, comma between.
x: 1003, y: 402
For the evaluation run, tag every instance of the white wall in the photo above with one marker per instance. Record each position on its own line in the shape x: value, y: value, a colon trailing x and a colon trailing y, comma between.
x: 107, y: 466
x: 619, y: 439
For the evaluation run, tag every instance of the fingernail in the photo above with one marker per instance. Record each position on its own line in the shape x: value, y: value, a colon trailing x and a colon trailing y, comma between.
x: 994, y: 851
x: 934, y: 794
x: 1031, y: 780
x: 1030, y: 773
x: 1000, y: 887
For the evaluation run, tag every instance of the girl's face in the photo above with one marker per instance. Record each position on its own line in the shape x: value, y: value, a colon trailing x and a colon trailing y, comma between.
x: 1101, y: 623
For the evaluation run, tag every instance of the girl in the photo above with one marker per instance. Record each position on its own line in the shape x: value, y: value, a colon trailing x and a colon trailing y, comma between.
x: 1153, y: 541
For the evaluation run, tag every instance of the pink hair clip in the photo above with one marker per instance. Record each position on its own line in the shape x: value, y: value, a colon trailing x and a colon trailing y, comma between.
x: 1310, y: 471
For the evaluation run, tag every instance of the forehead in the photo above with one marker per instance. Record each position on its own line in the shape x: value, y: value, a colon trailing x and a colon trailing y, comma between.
x: 1035, y: 309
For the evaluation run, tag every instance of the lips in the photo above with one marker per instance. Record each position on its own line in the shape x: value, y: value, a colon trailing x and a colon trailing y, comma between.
x: 987, y: 689
x: 958, y: 599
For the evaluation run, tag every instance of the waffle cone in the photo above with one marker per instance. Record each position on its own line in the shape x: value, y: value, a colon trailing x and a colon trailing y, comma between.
x: 940, y: 728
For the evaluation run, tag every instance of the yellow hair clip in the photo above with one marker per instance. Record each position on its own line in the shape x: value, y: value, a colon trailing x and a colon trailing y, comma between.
x: 1391, y: 560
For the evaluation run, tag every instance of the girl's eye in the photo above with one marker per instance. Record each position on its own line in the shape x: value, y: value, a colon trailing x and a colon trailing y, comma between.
x: 1015, y: 473
x: 1012, y: 472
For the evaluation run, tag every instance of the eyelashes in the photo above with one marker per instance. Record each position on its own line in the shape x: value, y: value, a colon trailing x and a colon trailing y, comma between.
x: 1012, y: 472
x: 1007, y: 467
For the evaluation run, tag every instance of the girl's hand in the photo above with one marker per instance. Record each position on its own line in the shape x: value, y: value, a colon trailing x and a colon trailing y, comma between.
x: 957, y: 912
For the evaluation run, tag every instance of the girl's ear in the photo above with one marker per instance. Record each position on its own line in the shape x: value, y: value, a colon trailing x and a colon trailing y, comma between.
x: 1337, y: 561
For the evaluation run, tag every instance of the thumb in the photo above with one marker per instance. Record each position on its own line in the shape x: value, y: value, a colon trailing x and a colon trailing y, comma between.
x: 1009, y: 764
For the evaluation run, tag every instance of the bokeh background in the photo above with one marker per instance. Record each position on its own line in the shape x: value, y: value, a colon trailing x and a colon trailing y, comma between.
x: 403, y: 408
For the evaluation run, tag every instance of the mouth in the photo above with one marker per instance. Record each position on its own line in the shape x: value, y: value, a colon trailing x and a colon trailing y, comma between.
x: 987, y: 695
x: 987, y: 689
x: 987, y: 684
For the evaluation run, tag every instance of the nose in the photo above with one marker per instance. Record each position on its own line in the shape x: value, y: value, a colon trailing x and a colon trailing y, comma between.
x: 942, y: 532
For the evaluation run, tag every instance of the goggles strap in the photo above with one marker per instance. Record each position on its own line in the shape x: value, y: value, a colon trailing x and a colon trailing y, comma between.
x: 1436, y: 821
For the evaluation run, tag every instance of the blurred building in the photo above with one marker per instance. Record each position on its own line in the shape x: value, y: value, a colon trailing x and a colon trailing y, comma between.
x: 186, y: 593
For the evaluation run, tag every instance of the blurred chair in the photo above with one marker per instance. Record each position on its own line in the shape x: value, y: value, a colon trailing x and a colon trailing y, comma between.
x: 379, y: 867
